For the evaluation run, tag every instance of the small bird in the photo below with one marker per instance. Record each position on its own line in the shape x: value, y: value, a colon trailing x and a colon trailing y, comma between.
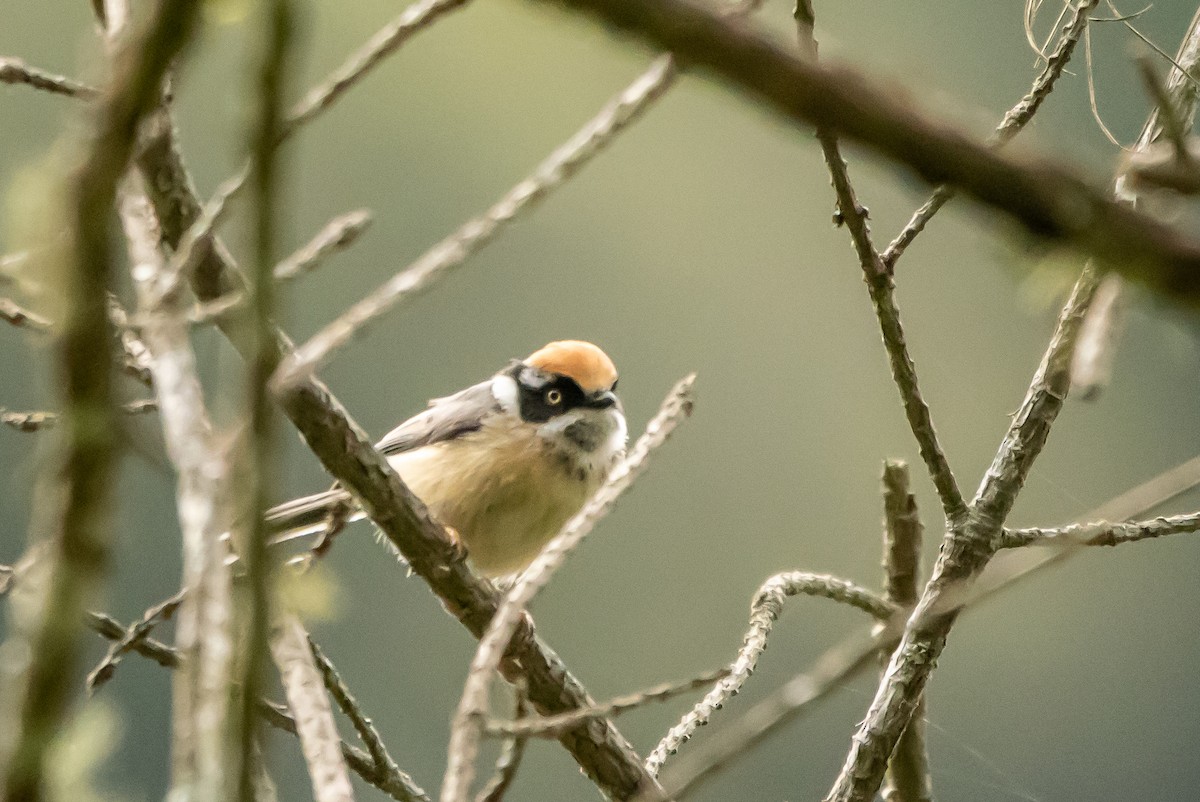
x: 504, y: 463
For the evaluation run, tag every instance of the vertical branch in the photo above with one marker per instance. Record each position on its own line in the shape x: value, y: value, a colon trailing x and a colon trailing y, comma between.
x: 907, y: 778
x: 81, y: 543
x: 263, y: 358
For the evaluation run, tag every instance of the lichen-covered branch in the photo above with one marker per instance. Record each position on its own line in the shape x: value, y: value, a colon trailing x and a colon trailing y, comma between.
x: 764, y: 611
x: 1100, y: 533
x: 15, y: 71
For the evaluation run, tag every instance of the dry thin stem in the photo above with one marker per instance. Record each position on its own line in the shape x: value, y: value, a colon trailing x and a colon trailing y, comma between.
x: 764, y: 611
x: 309, y: 702
x: 80, y: 548
x: 135, y: 357
x: 36, y: 420
x: 1100, y: 533
x: 853, y: 655
x: 325, y: 766
x: 384, y: 767
x: 472, y: 708
x: 511, y: 753
x: 1014, y: 120
x: 552, y: 726
x: 15, y: 71
x: 452, y: 251
x: 337, y: 235
x: 11, y: 312
x: 136, y: 632
x: 1173, y: 126
x: 415, y: 18
x: 879, y: 281
x: 907, y: 778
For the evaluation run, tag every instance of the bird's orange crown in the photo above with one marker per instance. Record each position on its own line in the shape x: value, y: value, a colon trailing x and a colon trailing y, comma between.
x: 590, y: 367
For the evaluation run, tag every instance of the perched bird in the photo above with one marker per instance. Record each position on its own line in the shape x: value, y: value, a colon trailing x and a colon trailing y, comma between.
x: 506, y: 462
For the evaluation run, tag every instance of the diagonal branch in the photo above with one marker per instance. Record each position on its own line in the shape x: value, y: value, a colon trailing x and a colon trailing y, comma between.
x: 452, y: 251
x: 467, y: 726
x: 1100, y: 533
x: 15, y: 71
x: 1046, y: 199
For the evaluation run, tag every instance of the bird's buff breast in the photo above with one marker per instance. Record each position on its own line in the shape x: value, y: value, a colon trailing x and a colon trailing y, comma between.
x: 504, y: 493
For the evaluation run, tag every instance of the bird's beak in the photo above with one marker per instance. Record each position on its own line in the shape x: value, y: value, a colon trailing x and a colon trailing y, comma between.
x: 604, y: 400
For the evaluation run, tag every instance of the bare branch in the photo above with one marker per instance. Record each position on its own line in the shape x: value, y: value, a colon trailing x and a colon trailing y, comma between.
x: 472, y: 708
x: 1174, y: 128
x: 35, y: 421
x: 878, y: 277
x: 965, y: 551
x: 1010, y: 126
x: 452, y: 251
x: 16, y: 71
x: 338, y: 234
x: 511, y: 753
x: 1049, y: 201
x: 393, y: 785
x: 854, y: 654
x: 80, y: 547
x: 136, y: 632
x: 319, y: 740
x: 1100, y: 533
x: 764, y: 611
x: 17, y: 315
x: 415, y: 18
x: 551, y: 726
x: 384, y: 767
x: 908, y: 778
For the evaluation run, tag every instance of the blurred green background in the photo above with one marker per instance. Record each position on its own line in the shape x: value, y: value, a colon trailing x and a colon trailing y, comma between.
x: 702, y: 241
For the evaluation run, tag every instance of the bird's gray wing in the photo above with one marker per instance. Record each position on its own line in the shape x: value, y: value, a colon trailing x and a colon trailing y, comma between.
x: 446, y: 419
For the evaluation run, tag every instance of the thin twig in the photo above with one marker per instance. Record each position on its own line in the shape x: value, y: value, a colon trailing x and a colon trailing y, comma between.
x: 1014, y: 120
x: 15, y: 71
x: 136, y: 632
x: 511, y: 753
x: 472, y: 708
x: 552, y: 726
x: 383, y: 762
x: 452, y: 251
x: 84, y: 476
x: 415, y: 18
x: 881, y: 287
x: 315, y: 726
x: 338, y: 234
x: 1100, y: 533
x: 764, y: 611
x: 1173, y: 127
x: 36, y: 420
x: 908, y: 778
x: 135, y: 357
x: 11, y: 312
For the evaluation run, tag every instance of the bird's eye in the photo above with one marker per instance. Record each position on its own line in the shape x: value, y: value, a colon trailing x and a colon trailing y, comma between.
x: 553, y: 397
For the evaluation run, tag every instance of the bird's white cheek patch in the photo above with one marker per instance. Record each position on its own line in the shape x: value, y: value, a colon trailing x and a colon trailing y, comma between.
x: 506, y: 393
